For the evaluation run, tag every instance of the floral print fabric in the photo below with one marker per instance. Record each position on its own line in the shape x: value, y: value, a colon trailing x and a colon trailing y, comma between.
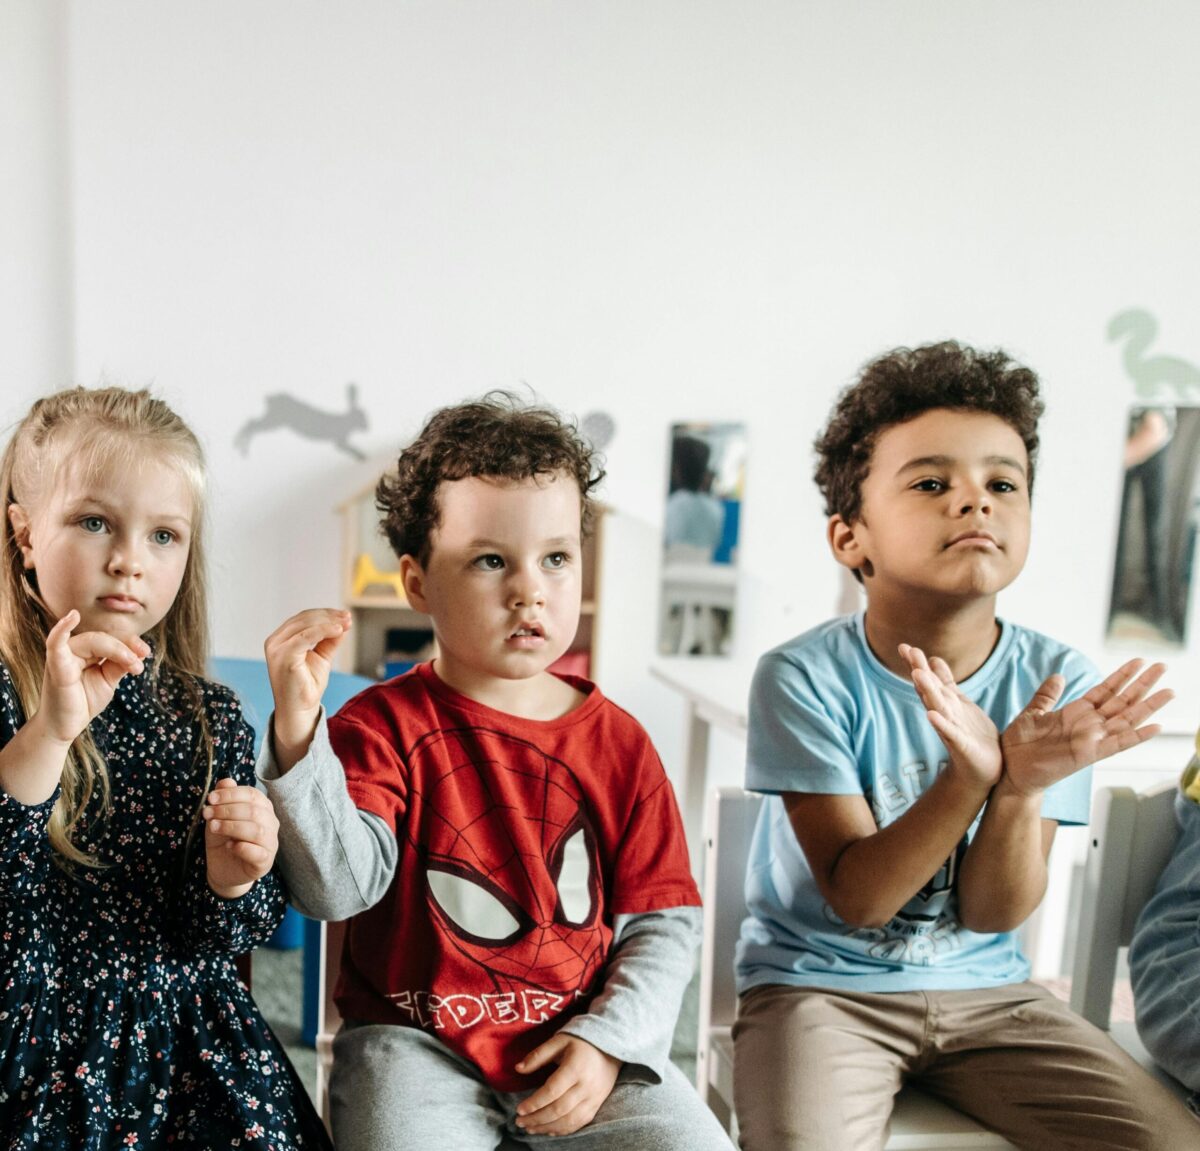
x: 122, y: 1020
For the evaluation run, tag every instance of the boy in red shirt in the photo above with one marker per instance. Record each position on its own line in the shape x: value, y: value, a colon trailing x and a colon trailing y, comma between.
x: 505, y: 839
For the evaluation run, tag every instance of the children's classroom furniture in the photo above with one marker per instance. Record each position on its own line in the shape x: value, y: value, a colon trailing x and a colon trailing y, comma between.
x: 374, y: 596
x: 694, y: 589
x: 715, y: 693
x: 1131, y: 837
x: 330, y: 938
x: 919, y: 1122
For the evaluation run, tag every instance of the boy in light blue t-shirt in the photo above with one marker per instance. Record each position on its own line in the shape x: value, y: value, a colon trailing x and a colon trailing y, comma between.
x: 915, y: 797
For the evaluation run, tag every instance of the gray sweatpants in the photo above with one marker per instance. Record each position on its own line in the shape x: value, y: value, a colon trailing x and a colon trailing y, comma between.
x: 400, y: 1089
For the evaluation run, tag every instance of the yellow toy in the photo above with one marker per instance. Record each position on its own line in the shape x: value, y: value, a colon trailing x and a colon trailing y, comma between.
x: 1191, y: 775
x: 366, y: 574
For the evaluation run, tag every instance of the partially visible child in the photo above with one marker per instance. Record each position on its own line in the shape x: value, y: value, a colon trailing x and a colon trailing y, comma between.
x: 914, y: 800
x: 1164, y: 956
x: 122, y: 1021
x: 524, y: 916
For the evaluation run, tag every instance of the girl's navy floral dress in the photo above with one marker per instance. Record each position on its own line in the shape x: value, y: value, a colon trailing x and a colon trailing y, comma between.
x: 122, y: 1021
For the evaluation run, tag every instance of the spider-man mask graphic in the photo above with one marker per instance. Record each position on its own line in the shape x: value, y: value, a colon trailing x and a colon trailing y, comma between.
x: 511, y: 864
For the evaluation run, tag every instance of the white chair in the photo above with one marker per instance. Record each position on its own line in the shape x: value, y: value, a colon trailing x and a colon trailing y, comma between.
x: 694, y: 589
x: 1132, y: 835
x: 329, y: 1019
x: 919, y: 1122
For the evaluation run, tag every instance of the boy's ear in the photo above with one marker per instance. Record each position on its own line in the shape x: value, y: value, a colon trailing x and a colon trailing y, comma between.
x: 19, y: 519
x: 413, y: 577
x: 845, y: 544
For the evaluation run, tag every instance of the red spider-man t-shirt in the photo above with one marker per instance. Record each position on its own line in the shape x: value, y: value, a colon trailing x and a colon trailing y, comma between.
x: 519, y: 841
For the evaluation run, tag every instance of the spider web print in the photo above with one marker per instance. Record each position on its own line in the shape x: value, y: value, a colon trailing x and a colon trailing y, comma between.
x: 498, y: 812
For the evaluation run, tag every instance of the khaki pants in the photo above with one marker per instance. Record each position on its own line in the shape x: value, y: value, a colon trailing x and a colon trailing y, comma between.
x: 818, y: 1070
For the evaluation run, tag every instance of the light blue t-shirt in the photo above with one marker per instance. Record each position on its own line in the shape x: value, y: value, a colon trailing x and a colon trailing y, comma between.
x: 827, y: 717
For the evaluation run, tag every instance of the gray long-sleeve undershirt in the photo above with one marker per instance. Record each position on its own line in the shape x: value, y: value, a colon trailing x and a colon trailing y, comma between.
x: 338, y: 861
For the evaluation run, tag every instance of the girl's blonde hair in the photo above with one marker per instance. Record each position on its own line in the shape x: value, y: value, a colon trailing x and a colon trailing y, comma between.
x: 87, y: 433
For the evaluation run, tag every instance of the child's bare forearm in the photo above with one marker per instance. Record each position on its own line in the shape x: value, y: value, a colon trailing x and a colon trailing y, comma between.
x: 299, y: 658
x: 291, y: 736
x: 31, y: 764
x: 1003, y: 875
x: 874, y: 874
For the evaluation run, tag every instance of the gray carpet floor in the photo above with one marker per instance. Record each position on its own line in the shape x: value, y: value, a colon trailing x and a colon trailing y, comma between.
x: 276, y: 983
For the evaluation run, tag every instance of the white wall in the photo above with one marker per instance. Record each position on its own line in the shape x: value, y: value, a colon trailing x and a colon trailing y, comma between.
x: 36, y: 337
x: 666, y: 210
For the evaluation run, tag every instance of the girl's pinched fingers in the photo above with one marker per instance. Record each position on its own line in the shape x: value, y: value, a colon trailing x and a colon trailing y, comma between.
x: 230, y: 791
x: 228, y: 811
x: 94, y: 647
x: 242, y: 830
x: 61, y: 662
x: 59, y: 633
x: 254, y: 855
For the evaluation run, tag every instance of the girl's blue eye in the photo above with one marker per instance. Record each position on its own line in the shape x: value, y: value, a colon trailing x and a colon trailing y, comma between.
x: 164, y: 538
x: 92, y: 524
x: 556, y: 560
x: 489, y: 563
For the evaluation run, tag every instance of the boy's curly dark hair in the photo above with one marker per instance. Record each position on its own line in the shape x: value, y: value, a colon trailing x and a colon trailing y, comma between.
x: 498, y: 436
x: 904, y: 383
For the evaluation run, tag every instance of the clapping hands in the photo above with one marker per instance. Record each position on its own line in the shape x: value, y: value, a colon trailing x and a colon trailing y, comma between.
x: 1043, y: 745
x: 970, y: 736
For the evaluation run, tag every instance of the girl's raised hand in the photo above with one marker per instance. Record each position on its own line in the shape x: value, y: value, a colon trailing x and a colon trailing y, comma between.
x: 241, y: 837
x: 82, y: 672
x: 299, y: 659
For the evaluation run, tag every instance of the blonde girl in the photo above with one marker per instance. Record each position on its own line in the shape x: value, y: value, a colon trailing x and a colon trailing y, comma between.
x: 123, y: 900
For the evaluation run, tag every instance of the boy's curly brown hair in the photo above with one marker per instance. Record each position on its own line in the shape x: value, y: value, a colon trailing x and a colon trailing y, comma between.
x: 497, y: 436
x: 904, y: 383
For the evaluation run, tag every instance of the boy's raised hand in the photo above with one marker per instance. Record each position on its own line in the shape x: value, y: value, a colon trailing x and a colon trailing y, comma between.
x: 572, y: 1095
x: 299, y: 659
x: 1043, y: 745
x: 241, y: 837
x: 81, y: 675
x: 969, y: 735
